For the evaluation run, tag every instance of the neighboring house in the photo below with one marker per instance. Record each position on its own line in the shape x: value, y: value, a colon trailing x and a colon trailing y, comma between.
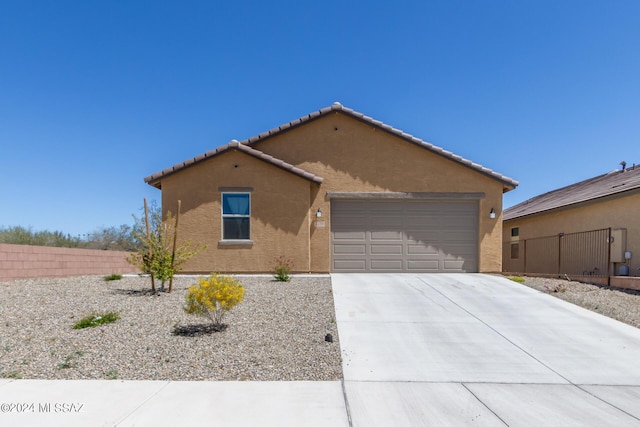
x: 590, y: 228
x: 337, y: 191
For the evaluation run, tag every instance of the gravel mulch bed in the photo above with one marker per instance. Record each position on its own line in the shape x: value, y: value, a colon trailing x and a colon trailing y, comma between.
x: 276, y: 334
x: 619, y: 304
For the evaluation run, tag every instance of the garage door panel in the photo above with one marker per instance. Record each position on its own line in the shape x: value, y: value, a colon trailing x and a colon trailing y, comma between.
x: 415, y: 249
x: 386, y: 265
x: 425, y: 265
x: 423, y: 236
x: 424, y: 223
x: 349, y: 235
x: 350, y: 249
x: 350, y: 265
x: 386, y: 235
x: 453, y: 265
x: 403, y: 235
x: 386, y: 249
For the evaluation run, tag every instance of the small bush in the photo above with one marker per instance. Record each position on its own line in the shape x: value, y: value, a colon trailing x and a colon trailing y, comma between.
x: 213, y: 297
x: 96, y: 320
x: 112, y: 277
x: 517, y: 279
x: 283, y: 269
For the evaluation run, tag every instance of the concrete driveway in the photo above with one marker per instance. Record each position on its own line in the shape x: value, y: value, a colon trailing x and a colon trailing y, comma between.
x: 474, y: 349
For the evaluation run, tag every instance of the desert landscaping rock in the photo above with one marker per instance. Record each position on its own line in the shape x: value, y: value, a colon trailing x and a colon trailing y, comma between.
x: 619, y: 304
x: 276, y: 334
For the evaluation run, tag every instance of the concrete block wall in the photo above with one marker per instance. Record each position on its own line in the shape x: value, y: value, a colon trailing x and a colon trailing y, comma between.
x: 25, y: 262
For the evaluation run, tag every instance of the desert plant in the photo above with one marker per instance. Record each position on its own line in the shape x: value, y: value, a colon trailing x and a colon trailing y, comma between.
x: 96, y: 320
x: 70, y: 360
x: 283, y: 269
x: 517, y: 279
x: 159, y: 255
x: 112, y: 277
x: 213, y: 297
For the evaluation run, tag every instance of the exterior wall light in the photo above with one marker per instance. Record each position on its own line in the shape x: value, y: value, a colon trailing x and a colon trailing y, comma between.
x: 492, y: 214
x: 318, y: 213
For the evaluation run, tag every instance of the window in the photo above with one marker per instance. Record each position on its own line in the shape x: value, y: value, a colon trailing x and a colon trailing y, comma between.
x: 515, y: 250
x: 236, y: 216
x: 515, y: 231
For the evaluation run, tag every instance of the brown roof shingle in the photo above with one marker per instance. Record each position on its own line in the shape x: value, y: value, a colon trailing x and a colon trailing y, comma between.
x: 615, y: 182
x: 508, y: 183
x: 233, y: 145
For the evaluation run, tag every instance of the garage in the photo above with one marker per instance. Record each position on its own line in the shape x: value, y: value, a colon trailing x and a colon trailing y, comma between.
x: 404, y: 235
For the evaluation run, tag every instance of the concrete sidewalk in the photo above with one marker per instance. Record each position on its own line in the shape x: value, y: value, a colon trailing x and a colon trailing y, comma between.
x: 480, y: 350
x: 175, y: 403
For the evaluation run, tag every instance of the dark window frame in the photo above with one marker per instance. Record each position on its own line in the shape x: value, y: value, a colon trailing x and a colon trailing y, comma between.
x: 233, y: 223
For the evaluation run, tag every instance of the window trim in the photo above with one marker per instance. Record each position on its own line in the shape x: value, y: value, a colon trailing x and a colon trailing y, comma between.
x: 223, y: 216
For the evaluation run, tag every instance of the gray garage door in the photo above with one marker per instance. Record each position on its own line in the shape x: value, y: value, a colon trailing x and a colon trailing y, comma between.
x: 403, y: 235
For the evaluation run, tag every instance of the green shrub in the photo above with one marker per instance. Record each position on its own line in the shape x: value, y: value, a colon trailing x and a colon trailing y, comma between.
x: 517, y: 279
x: 283, y: 269
x: 96, y: 320
x: 112, y: 277
x: 213, y: 297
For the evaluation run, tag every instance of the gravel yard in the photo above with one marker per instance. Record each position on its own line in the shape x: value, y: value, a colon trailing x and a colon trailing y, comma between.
x: 619, y: 304
x: 277, y: 333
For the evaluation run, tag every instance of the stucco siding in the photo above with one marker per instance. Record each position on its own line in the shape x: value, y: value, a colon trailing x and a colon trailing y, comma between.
x: 279, y: 213
x: 620, y: 211
x: 354, y: 156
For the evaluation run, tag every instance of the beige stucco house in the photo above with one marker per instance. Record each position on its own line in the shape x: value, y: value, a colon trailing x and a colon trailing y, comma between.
x: 601, y: 212
x: 337, y: 191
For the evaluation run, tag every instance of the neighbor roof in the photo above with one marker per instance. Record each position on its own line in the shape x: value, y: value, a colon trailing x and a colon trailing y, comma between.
x: 155, y: 179
x: 612, y: 183
x: 508, y: 183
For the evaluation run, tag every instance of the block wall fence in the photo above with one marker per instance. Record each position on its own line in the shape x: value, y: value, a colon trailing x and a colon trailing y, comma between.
x: 27, y: 262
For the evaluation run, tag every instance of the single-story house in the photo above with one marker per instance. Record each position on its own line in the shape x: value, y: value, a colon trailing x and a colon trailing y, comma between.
x: 337, y: 191
x: 600, y: 212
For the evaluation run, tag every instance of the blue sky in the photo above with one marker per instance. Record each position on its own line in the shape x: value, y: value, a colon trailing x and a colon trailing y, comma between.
x: 94, y: 96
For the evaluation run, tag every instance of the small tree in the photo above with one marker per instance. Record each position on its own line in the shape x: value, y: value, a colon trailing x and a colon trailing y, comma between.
x: 159, y: 255
x: 214, y: 297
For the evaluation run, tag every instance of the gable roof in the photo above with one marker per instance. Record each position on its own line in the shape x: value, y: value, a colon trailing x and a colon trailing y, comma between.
x: 608, y: 184
x: 155, y: 179
x: 508, y: 183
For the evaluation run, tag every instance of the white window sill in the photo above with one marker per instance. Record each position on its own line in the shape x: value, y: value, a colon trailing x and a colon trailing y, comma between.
x: 235, y: 242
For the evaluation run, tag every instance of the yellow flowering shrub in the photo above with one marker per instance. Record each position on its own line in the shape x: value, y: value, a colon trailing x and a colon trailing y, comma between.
x: 213, y: 297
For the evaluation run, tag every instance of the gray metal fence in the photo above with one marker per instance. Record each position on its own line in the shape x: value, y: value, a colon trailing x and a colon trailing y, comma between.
x: 585, y: 253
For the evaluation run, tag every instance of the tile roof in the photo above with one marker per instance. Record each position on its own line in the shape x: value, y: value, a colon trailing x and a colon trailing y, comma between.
x: 608, y: 184
x: 510, y: 183
x: 233, y: 145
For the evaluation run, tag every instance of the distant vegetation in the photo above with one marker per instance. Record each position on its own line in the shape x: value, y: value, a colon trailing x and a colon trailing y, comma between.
x: 112, y: 238
x: 120, y: 238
